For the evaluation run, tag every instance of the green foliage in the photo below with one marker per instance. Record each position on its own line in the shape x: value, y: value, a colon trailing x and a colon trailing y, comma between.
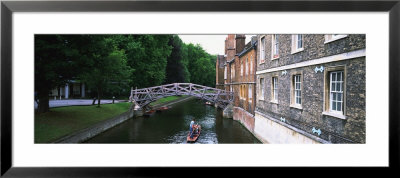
x: 103, y: 64
x: 200, y: 65
x: 175, y: 65
x: 147, y: 54
x: 54, y: 60
x: 111, y: 64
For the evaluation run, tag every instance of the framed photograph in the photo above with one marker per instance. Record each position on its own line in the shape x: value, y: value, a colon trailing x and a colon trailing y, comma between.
x: 240, y: 84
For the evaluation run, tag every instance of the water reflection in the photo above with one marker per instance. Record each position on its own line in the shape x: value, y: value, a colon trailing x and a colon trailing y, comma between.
x: 172, y: 126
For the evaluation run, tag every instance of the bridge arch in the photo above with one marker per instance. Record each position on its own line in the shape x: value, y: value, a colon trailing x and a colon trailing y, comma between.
x: 143, y: 97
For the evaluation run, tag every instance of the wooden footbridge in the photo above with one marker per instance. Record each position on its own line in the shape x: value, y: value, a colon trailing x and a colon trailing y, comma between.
x: 143, y: 97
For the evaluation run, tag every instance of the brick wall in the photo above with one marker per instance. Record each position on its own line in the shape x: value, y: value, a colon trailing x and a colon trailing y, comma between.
x: 244, y: 117
x: 246, y: 80
x: 220, y: 71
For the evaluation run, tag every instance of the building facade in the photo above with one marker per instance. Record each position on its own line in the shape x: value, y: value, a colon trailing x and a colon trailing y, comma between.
x: 72, y: 89
x: 310, y: 88
x: 239, y: 76
x: 245, y: 85
x: 220, y: 67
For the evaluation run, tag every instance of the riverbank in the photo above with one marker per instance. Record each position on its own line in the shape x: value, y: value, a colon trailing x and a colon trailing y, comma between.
x: 67, y: 123
x: 62, y: 121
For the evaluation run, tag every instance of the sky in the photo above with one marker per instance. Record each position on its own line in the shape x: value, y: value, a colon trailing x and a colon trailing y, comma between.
x: 213, y: 44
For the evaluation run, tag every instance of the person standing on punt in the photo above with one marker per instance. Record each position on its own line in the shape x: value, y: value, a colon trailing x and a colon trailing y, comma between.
x: 191, y: 128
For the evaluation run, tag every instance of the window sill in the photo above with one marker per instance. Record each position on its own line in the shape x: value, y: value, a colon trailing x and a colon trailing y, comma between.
x: 274, y: 102
x: 296, y: 106
x: 275, y: 58
x: 334, y: 39
x: 297, y: 51
x: 339, y: 116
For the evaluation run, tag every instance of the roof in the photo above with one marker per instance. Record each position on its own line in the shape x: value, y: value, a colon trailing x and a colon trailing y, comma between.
x: 230, y: 60
x: 250, y: 45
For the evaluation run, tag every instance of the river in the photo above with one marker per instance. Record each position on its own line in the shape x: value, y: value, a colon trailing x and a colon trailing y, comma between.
x: 172, y: 126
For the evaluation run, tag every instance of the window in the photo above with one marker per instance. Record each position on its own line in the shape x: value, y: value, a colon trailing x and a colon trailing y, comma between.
x: 261, y: 89
x: 336, y: 92
x: 240, y: 92
x: 232, y: 71
x: 262, y: 50
x: 297, y: 89
x: 241, y: 67
x: 251, y: 64
x: 250, y: 93
x: 245, y: 92
x: 225, y: 72
x: 275, y: 89
x: 247, y: 66
x: 275, y: 47
x: 333, y: 37
x: 297, y: 43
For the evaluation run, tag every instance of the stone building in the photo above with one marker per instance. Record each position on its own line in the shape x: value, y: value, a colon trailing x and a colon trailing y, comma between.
x: 310, y: 88
x: 239, y: 76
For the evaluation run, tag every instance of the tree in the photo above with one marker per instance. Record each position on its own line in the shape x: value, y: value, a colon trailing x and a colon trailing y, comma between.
x: 104, y: 65
x: 147, y: 54
x: 175, y: 67
x: 200, y: 65
x: 54, y: 66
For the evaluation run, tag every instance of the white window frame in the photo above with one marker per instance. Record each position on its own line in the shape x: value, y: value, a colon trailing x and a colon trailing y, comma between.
x: 333, y: 37
x: 251, y: 64
x: 328, y: 97
x: 297, y: 89
x: 262, y: 88
x: 295, y: 43
x: 232, y: 71
x: 262, y: 49
x: 250, y: 93
x: 274, y: 89
x: 226, y: 72
x: 247, y: 66
x: 275, y: 47
x: 335, y: 92
x: 241, y: 67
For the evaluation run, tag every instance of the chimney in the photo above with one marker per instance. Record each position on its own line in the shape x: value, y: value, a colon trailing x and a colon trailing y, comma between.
x: 230, y: 47
x: 253, y: 40
x: 240, y: 40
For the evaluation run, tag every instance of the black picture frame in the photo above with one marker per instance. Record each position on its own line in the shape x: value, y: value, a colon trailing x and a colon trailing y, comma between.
x: 8, y: 7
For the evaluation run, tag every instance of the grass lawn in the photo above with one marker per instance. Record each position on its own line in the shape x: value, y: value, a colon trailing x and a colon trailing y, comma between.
x: 166, y: 99
x: 59, y: 122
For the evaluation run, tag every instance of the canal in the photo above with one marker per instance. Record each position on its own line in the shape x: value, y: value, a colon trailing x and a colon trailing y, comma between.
x: 172, y: 126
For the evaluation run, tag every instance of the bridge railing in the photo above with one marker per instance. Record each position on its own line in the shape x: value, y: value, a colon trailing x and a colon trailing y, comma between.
x: 144, y: 96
